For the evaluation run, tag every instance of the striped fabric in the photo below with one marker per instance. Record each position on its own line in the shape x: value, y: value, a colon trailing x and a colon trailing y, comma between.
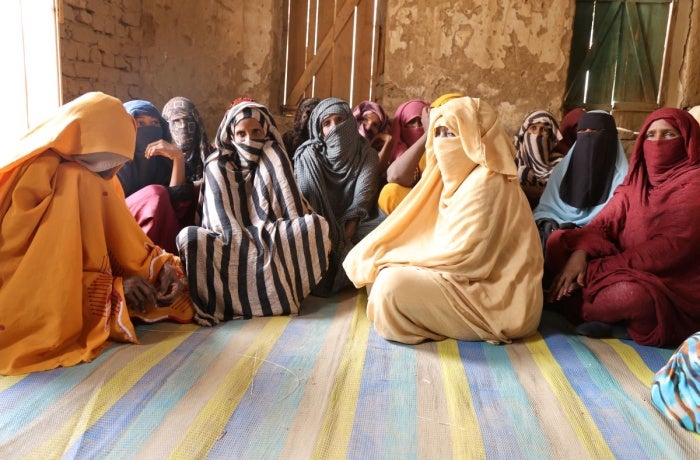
x: 536, y: 156
x: 675, y: 390
x: 325, y: 385
x: 260, y: 248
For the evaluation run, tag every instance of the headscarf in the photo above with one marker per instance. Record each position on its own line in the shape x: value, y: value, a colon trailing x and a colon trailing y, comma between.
x: 141, y: 172
x: 225, y: 142
x: 404, y: 136
x: 300, y: 131
x: 189, y: 134
x: 672, y: 157
x: 569, y: 130
x: 444, y: 98
x: 552, y: 206
x: 343, y: 148
x: 368, y: 106
x: 70, y: 133
x: 536, y: 156
x: 695, y: 112
x: 588, y: 179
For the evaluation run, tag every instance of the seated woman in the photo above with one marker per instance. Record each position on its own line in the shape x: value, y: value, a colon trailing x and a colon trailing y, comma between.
x: 337, y: 173
x: 374, y: 126
x: 460, y: 257
x: 568, y: 129
x: 261, y: 248
x: 634, y: 267
x: 154, y: 181
x: 408, y: 153
x: 406, y: 131
x: 300, y: 131
x: 536, y: 157
x: 188, y: 133
x: 581, y: 184
x: 74, y: 262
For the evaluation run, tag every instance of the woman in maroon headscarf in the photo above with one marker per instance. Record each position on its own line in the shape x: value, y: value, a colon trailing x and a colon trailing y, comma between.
x: 636, y: 263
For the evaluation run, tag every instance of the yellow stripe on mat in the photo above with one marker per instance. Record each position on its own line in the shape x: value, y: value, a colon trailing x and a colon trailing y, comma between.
x: 212, y: 419
x: 464, y: 425
x: 333, y: 439
x: 109, y: 393
x: 584, y: 426
x: 631, y: 358
x: 7, y: 381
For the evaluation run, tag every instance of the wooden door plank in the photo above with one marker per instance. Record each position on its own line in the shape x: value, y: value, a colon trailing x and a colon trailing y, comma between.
x: 323, y: 51
x: 363, y: 52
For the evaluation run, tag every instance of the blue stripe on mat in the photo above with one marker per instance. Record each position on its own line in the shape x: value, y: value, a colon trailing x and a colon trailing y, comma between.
x: 22, y: 404
x: 386, y: 416
x: 504, y: 409
x: 108, y: 433
x: 602, y: 396
x: 259, y: 426
x: 206, y: 347
x: 654, y: 358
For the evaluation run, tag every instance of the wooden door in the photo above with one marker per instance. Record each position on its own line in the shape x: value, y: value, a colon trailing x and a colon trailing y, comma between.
x: 333, y: 50
x: 618, y: 59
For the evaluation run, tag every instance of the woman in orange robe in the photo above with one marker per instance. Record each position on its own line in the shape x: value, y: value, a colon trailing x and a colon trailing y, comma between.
x: 69, y: 246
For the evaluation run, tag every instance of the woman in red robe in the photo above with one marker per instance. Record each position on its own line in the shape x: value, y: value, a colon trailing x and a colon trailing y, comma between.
x: 636, y: 263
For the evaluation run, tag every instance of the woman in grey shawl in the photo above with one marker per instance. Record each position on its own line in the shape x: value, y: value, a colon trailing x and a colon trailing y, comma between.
x: 337, y: 171
x: 260, y: 248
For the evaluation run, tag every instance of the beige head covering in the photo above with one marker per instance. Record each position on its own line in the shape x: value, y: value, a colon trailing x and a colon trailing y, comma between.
x: 695, y: 112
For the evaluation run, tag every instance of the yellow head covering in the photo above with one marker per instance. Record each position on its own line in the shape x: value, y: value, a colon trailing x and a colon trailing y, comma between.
x: 93, y: 129
x: 444, y: 98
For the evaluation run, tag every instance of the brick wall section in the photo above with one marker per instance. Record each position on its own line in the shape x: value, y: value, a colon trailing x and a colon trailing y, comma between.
x: 101, y: 47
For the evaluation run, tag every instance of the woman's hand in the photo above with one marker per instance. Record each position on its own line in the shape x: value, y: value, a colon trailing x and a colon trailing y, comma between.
x: 166, y: 149
x: 425, y: 118
x: 169, y: 286
x: 571, y: 277
x: 139, y: 293
x: 163, y: 148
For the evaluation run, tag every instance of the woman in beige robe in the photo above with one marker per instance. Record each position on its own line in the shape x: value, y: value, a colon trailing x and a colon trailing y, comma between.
x: 460, y: 257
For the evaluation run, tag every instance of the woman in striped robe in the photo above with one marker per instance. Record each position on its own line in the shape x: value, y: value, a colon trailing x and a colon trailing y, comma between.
x: 536, y: 155
x: 261, y: 247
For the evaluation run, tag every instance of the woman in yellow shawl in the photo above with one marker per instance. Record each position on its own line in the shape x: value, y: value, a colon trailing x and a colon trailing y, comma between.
x: 69, y: 246
x: 460, y: 256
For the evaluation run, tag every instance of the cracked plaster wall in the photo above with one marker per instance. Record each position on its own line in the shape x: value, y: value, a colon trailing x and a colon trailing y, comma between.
x: 513, y: 54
